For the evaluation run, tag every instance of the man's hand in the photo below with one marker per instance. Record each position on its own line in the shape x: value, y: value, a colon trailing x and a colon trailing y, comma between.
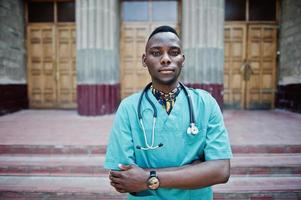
x: 131, y: 178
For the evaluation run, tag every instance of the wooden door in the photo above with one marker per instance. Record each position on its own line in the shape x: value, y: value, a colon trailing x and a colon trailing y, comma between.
x: 41, y: 66
x: 250, y: 65
x: 135, y: 29
x: 260, y: 89
x: 66, y: 68
x: 51, y: 65
x: 133, y: 75
x: 235, y: 54
x: 134, y: 36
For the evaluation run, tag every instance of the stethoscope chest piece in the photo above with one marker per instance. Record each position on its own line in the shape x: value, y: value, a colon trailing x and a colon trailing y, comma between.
x: 192, y: 129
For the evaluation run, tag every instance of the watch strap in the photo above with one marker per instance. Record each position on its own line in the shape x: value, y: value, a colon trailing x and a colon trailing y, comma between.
x: 152, y: 174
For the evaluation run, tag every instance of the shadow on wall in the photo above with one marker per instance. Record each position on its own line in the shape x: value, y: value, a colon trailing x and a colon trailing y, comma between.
x: 289, y: 97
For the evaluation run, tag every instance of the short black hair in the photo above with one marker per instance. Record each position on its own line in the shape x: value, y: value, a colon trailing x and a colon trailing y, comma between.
x: 161, y: 29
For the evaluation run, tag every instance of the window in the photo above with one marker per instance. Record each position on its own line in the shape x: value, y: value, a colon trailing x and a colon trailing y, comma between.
x: 40, y: 12
x: 66, y: 12
x: 164, y: 11
x: 135, y: 11
x: 235, y: 10
x: 262, y: 10
x: 258, y: 10
x: 149, y: 10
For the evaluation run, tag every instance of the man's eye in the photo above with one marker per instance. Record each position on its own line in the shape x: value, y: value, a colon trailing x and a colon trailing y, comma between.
x: 174, y: 53
x: 156, y: 53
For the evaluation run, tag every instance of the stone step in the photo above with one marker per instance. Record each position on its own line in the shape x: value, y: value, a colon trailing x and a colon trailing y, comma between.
x: 101, y: 149
x: 52, y: 165
x: 238, y: 187
x: 259, y: 148
x: 53, y: 149
x: 266, y: 164
x: 45, y: 187
x: 92, y: 165
x: 259, y: 188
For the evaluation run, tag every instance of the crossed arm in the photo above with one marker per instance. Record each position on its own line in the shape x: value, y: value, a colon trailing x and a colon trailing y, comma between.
x: 196, y: 175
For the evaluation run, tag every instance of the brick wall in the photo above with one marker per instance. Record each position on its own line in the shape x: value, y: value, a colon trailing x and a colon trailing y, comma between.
x: 13, y: 94
x: 289, y: 80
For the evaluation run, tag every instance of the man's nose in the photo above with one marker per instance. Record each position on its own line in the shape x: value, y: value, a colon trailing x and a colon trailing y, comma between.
x: 165, y: 60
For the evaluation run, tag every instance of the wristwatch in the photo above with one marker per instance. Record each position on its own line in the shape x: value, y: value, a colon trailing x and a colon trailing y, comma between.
x: 153, y: 182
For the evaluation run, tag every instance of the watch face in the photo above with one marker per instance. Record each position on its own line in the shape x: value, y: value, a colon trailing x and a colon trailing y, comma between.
x: 153, y: 183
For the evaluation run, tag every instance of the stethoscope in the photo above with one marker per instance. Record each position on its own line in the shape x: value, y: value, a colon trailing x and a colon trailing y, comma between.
x: 191, y: 130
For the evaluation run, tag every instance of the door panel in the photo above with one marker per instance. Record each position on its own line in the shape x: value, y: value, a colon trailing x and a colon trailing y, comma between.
x: 66, y: 85
x: 260, y: 90
x: 134, y: 36
x: 133, y: 75
x: 235, y: 53
x: 41, y: 66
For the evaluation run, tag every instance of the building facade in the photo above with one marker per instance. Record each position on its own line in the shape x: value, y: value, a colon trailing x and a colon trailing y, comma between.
x: 86, y: 54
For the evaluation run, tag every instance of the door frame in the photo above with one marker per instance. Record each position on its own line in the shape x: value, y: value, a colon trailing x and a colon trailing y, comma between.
x: 55, y: 25
x: 150, y: 28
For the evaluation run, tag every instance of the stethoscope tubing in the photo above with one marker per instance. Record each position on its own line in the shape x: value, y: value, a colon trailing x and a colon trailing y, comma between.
x: 191, y: 111
x: 191, y: 117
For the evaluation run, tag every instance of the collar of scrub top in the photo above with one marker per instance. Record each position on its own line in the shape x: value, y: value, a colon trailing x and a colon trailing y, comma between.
x: 191, y: 130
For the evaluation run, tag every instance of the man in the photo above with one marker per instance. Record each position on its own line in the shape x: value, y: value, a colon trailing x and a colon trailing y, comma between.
x: 168, y: 142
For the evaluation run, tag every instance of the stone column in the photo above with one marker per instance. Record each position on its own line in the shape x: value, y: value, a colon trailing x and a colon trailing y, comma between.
x: 203, y: 42
x: 13, y: 88
x: 97, y: 25
x: 288, y: 95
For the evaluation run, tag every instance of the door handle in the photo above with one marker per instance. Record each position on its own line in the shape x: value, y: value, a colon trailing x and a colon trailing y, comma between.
x: 246, y: 70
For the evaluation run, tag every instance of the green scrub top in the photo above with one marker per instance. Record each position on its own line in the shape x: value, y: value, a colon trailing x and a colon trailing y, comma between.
x: 178, y: 148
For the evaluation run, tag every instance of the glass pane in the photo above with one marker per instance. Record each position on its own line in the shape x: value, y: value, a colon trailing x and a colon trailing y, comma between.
x: 164, y: 10
x: 235, y: 10
x: 262, y: 10
x: 40, y: 12
x: 134, y: 11
x: 66, y: 11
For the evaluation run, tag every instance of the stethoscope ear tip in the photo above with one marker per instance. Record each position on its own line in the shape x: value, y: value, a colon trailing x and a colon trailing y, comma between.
x: 160, y: 145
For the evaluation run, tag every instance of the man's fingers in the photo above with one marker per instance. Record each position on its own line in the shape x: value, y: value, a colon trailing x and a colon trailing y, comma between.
x: 115, y: 180
x: 116, y: 174
x: 118, y: 187
x: 120, y: 190
x: 115, y: 185
x: 124, y: 167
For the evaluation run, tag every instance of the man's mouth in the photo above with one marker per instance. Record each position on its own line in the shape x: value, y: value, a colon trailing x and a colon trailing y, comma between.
x: 166, y: 71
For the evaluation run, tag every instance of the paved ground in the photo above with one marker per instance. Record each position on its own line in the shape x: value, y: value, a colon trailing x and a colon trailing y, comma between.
x: 54, y: 154
x: 65, y: 127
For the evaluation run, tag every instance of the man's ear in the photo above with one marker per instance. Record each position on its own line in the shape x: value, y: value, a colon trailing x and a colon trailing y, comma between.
x: 143, y: 60
x: 183, y: 60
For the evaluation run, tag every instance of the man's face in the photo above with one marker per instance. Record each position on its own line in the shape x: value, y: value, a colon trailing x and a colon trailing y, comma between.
x: 164, y: 58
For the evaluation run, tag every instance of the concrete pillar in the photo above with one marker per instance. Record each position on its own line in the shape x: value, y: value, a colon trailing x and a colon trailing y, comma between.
x: 97, y: 25
x: 288, y: 95
x: 13, y: 88
x: 203, y: 42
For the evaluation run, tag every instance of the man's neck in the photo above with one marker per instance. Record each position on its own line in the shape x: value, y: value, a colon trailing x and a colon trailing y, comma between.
x: 165, y: 88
